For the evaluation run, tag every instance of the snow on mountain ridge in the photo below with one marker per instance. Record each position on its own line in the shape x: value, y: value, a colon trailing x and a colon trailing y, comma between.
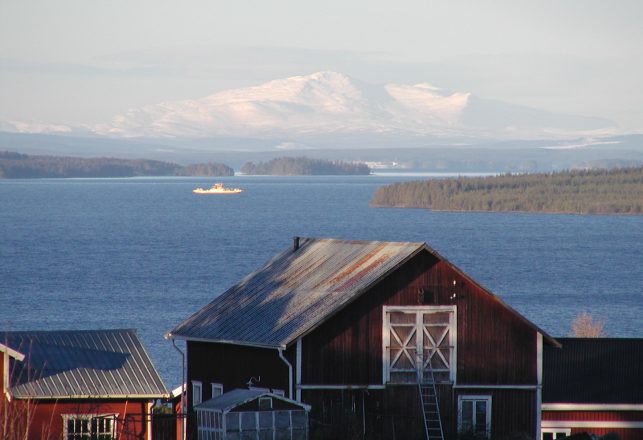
x: 322, y: 103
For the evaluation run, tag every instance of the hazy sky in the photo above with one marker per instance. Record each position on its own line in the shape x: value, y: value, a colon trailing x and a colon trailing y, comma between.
x: 82, y: 61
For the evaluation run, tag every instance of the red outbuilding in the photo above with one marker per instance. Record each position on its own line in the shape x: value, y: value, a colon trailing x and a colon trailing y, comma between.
x: 382, y: 339
x: 593, y: 385
x: 76, y: 385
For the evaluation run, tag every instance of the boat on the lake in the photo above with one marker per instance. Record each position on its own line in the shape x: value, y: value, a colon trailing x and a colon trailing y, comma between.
x: 217, y: 188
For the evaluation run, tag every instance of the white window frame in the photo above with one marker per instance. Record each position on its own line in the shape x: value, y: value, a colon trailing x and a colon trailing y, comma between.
x: 475, y: 398
x: 197, y: 397
x: 109, y: 416
x: 565, y: 431
x: 216, y: 387
x: 453, y: 335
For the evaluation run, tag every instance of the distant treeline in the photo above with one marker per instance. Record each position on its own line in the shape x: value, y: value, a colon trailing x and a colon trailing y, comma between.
x: 16, y: 166
x: 618, y: 191
x: 294, y: 166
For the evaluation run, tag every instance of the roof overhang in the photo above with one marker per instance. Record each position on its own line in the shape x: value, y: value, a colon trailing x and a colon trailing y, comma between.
x: 172, y: 336
x: 11, y: 352
x: 96, y: 396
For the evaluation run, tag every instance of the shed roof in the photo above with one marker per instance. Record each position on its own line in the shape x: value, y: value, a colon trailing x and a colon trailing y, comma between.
x: 240, y: 396
x: 82, y: 364
x: 298, y: 289
x: 594, y: 370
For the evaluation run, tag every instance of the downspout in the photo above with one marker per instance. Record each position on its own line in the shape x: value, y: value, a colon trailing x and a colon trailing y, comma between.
x: 183, y: 382
x: 289, y: 365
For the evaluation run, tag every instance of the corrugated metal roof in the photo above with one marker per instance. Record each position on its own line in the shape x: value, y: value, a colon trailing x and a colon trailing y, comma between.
x: 297, y: 290
x: 594, y: 370
x: 82, y: 363
x: 240, y: 396
x: 294, y: 291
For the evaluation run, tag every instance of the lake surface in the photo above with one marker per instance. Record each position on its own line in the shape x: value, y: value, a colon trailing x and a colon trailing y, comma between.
x: 146, y: 253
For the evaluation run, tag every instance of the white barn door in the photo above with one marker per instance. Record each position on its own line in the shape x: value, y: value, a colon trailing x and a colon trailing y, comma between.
x: 417, y: 339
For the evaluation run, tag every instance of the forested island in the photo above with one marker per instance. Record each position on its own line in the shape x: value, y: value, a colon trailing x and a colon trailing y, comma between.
x: 21, y: 166
x: 299, y: 166
x: 617, y: 191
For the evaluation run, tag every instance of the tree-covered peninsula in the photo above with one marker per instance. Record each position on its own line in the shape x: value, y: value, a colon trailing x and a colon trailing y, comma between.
x: 618, y: 191
x: 297, y: 166
x: 22, y: 166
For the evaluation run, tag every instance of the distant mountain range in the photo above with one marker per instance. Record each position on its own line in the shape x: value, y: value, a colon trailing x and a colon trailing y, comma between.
x: 294, y: 110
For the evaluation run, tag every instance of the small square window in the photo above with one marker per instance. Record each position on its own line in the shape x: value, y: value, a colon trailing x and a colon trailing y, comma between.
x: 265, y: 403
x: 217, y: 389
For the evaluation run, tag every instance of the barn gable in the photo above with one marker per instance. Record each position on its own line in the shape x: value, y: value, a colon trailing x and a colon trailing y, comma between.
x: 375, y: 329
x: 299, y: 289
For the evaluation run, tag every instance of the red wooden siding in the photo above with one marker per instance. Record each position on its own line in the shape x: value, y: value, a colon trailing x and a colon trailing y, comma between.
x: 599, y: 416
x: 131, y: 423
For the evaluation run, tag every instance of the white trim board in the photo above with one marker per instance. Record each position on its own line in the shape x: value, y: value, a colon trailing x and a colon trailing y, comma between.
x: 592, y: 407
x: 341, y: 387
x: 496, y: 387
x: 589, y: 424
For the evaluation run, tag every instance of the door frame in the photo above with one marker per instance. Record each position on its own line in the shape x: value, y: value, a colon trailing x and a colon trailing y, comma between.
x: 453, y: 330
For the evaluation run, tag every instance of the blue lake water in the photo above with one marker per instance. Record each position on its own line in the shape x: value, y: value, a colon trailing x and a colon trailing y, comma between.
x: 146, y: 253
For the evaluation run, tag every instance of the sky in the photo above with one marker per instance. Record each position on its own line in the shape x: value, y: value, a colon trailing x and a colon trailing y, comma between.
x: 82, y: 62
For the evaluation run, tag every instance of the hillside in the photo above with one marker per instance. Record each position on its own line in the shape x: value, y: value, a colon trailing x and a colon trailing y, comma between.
x: 22, y: 166
x: 296, y: 166
x: 618, y: 191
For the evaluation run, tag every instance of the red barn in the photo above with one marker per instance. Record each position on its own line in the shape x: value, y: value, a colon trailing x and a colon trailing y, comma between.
x: 593, y: 385
x: 98, y: 384
x: 382, y: 339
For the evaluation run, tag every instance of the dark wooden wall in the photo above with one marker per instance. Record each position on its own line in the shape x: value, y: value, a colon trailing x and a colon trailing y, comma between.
x: 233, y: 365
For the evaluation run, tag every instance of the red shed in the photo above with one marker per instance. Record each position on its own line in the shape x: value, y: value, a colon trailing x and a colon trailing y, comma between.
x: 77, y: 384
x: 593, y: 385
x: 382, y: 339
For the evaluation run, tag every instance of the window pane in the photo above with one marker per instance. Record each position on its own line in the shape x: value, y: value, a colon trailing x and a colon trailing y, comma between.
x: 248, y: 421
x: 265, y: 419
x: 548, y: 436
x: 282, y: 419
x: 232, y: 421
x: 481, y: 416
x: 299, y: 419
x: 467, y: 415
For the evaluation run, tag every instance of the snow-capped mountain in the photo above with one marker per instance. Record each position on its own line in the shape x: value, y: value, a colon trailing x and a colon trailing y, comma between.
x: 331, y: 103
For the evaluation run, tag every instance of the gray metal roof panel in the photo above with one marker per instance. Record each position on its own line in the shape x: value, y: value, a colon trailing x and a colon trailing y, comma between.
x: 295, y: 291
x: 98, y: 363
x: 239, y: 396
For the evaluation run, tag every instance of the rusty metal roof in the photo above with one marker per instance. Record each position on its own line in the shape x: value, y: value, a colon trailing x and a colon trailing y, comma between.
x: 81, y: 364
x: 295, y: 291
x: 298, y: 289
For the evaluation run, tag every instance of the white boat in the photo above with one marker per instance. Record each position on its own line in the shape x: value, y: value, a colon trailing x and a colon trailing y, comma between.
x: 217, y: 188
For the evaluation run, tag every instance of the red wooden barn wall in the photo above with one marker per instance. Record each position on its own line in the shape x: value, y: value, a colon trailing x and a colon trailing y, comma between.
x: 600, y: 416
x: 494, y: 347
x: 131, y: 423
